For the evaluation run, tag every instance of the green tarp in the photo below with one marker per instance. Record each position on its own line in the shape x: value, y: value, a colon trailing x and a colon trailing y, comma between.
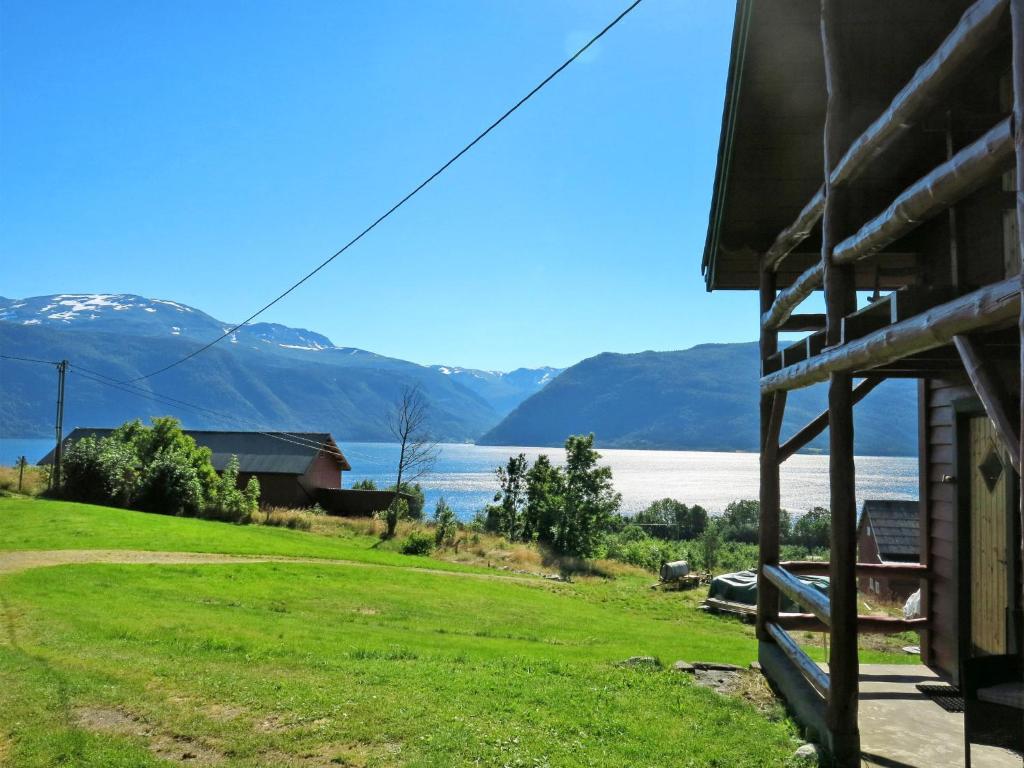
x: 741, y: 587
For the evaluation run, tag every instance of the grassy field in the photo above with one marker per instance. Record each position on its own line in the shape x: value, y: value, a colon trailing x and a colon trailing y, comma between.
x: 303, y: 664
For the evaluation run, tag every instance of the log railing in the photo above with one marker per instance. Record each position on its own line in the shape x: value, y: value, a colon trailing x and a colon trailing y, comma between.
x: 814, y: 674
x: 994, y: 304
x: 933, y: 193
x: 977, y: 31
x: 866, y: 625
x: 894, y: 570
x: 799, y: 592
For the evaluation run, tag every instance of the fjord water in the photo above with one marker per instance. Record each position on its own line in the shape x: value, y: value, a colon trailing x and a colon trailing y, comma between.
x: 464, y: 474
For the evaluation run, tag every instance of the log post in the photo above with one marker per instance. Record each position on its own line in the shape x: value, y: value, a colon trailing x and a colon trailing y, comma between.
x: 840, y: 300
x: 768, y: 529
x: 1017, y: 57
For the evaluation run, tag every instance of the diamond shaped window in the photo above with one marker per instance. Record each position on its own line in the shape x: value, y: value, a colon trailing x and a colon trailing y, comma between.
x: 991, y: 469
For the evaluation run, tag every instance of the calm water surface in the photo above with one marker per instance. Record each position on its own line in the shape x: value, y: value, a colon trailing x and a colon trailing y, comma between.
x: 464, y: 474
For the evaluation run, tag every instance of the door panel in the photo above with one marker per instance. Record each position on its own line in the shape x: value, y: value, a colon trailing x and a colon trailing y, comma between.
x: 990, y: 485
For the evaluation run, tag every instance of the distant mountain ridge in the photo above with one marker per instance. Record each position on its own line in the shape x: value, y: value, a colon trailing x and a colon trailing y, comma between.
x: 702, y: 398
x: 265, y: 374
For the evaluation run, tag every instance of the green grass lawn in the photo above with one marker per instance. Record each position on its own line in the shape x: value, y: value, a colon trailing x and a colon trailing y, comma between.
x: 278, y: 664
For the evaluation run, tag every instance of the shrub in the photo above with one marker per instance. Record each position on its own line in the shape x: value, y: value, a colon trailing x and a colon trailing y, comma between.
x: 100, y: 472
x: 444, y: 522
x: 170, y: 486
x: 229, y: 503
x: 418, y: 544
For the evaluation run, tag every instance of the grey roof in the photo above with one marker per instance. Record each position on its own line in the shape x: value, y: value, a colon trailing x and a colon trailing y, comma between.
x: 896, y: 527
x: 287, y: 453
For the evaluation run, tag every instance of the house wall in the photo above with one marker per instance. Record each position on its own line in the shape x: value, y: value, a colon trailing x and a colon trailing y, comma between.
x: 279, y: 490
x: 940, y: 497
x: 937, y: 462
x: 322, y: 473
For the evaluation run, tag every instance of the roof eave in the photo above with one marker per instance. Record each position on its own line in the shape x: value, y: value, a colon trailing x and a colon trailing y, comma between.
x: 740, y: 29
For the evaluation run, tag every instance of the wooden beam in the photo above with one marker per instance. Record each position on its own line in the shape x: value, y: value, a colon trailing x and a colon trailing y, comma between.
x: 800, y: 593
x: 890, y: 570
x: 797, y: 323
x: 772, y: 410
x: 978, y: 30
x: 992, y: 394
x: 927, y: 197
x: 820, y: 422
x: 790, y: 298
x: 840, y: 301
x: 933, y: 193
x: 992, y: 305
x: 811, y: 672
x: 797, y: 232
x: 866, y: 625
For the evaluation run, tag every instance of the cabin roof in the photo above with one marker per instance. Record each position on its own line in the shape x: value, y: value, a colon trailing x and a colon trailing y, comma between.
x: 896, y: 527
x: 770, y: 152
x: 286, y: 453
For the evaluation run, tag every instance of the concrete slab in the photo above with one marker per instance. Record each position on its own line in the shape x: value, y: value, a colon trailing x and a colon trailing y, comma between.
x: 902, y: 728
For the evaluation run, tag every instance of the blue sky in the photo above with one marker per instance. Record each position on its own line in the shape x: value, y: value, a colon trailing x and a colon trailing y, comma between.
x: 213, y: 152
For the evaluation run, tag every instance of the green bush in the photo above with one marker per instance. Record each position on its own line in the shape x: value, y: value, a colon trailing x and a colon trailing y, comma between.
x: 445, y: 523
x: 418, y: 544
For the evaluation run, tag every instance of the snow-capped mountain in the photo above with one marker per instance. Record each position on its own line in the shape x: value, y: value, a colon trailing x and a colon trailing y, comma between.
x: 286, y: 376
x: 139, y: 316
x: 505, y: 390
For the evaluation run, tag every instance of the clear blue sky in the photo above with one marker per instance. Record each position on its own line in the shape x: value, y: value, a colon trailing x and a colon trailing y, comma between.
x: 212, y: 152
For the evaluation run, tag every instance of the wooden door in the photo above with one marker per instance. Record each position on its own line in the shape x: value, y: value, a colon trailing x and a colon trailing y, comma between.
x: 991, y: 486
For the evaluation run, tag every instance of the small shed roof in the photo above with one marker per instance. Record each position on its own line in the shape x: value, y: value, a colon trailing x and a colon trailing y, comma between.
x: 286, y: 453
x: 896, y: 527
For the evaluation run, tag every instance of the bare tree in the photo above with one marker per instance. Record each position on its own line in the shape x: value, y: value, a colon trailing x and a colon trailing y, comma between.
x: 418, y: 452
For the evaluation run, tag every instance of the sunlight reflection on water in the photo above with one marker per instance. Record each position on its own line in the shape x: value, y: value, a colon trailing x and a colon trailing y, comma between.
x: 464, y: 475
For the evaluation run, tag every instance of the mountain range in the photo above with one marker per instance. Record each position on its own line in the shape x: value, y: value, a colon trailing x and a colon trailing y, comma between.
x: 264, y: 375
x: 703, y: 398
x: 271, y: 376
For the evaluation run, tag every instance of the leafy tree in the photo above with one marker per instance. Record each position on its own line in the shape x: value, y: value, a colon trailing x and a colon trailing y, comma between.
x: 740, y: 521
x: 813, y: 529
x: 671, y: 519
x: 445, y: 524
x: 364, y: 485
x: 414, y: 504
x: 103, y: 471
x: 710, y: 544
x: 171, y: 486
x: 507, y: 515
x: 545, y: 488
x: 588, y: 502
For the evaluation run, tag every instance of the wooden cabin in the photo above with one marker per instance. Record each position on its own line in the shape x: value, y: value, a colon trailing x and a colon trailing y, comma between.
x: 872, y: 150
x: 889, y: 531
x: 294, y: 469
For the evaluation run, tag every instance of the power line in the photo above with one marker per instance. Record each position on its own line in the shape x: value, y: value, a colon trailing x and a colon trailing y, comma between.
x: 30, y: 360
x: 130, y: 389
x: 400, y: 203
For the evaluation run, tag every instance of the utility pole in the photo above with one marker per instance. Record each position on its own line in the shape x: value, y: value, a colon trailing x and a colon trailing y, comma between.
x: 22, y: 461
x: 62, y: 370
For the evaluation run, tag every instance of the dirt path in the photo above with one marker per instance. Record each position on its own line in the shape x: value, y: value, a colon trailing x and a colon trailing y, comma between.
x: 22, y: 560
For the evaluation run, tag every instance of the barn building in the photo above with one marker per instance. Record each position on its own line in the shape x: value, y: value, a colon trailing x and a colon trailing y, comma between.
x: 889, y: 532
x: 874, y: 150
x: 294, y: 469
